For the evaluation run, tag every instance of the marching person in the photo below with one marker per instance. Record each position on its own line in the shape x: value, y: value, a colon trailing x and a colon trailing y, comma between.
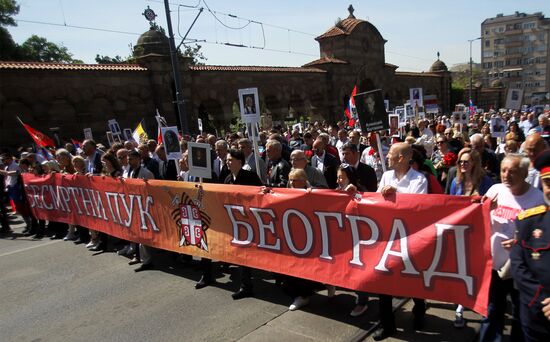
x: 240, y: 176
x: 530, y: 261
x: 401, y: 178
x: 509, y: 198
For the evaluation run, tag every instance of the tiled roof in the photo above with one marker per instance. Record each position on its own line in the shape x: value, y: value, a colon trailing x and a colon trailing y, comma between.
x: 417, y: 74
x: 325, y: 60
x: 252, y: 68
x: 344, y: 27
x: 63, y: 66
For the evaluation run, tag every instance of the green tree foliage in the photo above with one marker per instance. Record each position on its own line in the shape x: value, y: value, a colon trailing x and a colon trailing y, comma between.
x: 195, y: 53
x: 8, y: 8
x: 461, y: 76
x: 39, y: 49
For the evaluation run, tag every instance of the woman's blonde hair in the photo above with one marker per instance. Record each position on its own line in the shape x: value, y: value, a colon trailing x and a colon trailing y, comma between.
x: 477, y: 171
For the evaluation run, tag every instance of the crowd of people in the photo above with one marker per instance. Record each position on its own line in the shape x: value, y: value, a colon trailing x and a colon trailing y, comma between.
x: 430, y: 156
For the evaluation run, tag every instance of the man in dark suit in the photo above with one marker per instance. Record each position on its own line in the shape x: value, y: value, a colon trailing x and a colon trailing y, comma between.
x: 240, y: 176
x: 93, y: 157
x: 167, y: 168
x: 366, y: 176
x: 220, y: 167
x: 355, y: 138
x: 150, y: 163
x: 325, y: 162
x: 277, y: 168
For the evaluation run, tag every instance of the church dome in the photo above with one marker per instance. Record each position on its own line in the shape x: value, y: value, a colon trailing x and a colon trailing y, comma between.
x: 152, y: 42
x: 497, y: 83
x: 438, y: 66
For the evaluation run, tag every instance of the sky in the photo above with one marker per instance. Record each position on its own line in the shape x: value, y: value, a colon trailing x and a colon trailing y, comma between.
x: 415, y: 30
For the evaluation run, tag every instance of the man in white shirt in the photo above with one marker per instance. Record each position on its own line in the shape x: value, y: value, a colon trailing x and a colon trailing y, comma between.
x: 342, y: 140
x: 509, y: 198
x: 122, y: 156
x: 400, y: 179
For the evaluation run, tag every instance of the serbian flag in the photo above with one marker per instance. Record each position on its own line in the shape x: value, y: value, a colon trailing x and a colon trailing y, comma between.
x: 161, y: 122
x: 77, y: 145
x: 351, y: 111
x: 40, y: 139
x: 472, y: 108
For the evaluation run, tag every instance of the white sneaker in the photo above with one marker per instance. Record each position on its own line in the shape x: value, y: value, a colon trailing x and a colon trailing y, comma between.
x: 358, y: 310
x: 124, y: 250
x: 90, y: 244
x: 70, y: 236
x: 298, y: 303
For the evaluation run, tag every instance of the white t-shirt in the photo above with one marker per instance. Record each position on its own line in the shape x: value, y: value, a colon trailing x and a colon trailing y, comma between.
x: 503, y: 225
x: 412, y: 183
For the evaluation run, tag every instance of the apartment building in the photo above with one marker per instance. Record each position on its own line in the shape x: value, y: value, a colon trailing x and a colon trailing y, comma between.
x: 515, y: 53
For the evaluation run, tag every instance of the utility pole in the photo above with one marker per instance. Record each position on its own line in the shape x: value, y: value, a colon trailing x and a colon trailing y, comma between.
x: 176, y: 70
x: 471, y: 70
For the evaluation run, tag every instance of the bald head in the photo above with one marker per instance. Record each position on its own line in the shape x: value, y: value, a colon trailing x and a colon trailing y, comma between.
x: 534, y: 145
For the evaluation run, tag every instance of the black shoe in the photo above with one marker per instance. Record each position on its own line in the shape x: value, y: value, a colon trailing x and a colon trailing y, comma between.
x: 203, y: 282
x: 242, y: 293
x: 383, y: 333
x: 98, y: 248
x: 418, y: 322
x: 78, y: 241
x: 145, y: 267
x: 55, y: 237
x: 134, y: 261
x: 38, y: 236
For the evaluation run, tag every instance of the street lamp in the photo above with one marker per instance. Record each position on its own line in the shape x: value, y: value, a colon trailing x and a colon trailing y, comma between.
x: 471, y: 71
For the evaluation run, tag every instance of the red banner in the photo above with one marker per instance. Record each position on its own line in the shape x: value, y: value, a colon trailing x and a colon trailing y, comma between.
x: 423, y: 246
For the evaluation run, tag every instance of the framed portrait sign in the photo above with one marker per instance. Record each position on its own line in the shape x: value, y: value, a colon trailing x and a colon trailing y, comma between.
x: 249, y: 104
x: 393, y: 120
x: 416, y: 99
x: 514, y: 99
x: 498, y: 127
x: 371, y: 111
x: 400, y: 112
x: 114, y: 127
x: 128, y: 134
x: 199, y: 160
x: 171, y: 142
x: 110, y: 138
x: 88, y: 134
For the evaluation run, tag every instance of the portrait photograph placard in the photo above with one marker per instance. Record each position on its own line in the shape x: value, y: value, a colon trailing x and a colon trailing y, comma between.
x: 514, y: 99
x: 110, y: 138
x: 370, y: 109
x: 400, y: 111
x: 498, y: 127
x: 128, y: 134
x: 393, y: 121
x: 249, y: 104
x: 171, y: 142
x: 114, y: 127
x: 88, y: 134
x: 199, y: 160
x: 416, y: 99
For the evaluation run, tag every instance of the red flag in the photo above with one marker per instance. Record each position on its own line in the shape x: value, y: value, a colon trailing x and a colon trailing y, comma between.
x: 39, y: 138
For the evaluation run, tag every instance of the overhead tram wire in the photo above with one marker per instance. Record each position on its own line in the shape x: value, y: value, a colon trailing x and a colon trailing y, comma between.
x: 77, y: 27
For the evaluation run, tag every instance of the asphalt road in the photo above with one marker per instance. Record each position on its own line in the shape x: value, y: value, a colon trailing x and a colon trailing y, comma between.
x: 58, y: 291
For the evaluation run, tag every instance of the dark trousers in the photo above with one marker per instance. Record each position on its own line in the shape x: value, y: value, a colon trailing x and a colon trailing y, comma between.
x: 493, y: 325
x: 387, y: 318
x: 298, y: 287
x: 83, y: 234
x: 246, y: 278
x: 206, y: 266
x: 4, y: 216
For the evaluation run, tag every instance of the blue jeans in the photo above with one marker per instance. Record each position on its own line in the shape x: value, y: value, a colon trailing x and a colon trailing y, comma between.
x: 493, y: 325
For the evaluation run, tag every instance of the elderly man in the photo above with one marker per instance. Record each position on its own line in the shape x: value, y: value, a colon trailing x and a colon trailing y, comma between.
x: 277, y: 168
x: 94, y: 165
x: 355, y: 138
x: 167, y: 168
x: 325, y: 162
x: 342, y: 139
x: 122, y: 157
x: 314, y: 176
x: 530, y: 261
x: 509, y: 198
x: 220, y: 163
x: 533, y: 146
x: 402, y: 178
x: 150, y: 163
x: 245, y: 145
x: 488, y: 157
